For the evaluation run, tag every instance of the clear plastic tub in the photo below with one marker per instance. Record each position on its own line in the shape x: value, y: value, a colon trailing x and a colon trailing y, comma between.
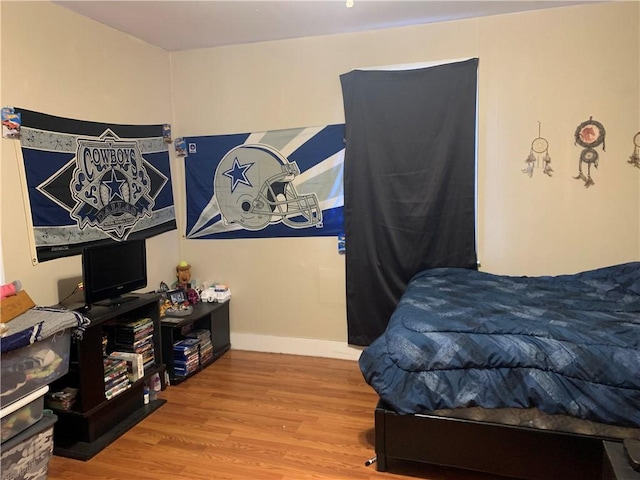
x: 20, y: 415
x: 29, y: 368
x: 27, y: 454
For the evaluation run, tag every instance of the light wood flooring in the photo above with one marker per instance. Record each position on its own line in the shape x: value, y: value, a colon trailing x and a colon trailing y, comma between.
x: 256, y: 416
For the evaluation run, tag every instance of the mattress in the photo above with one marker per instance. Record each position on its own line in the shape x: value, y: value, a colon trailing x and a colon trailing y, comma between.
x: 564, y: 345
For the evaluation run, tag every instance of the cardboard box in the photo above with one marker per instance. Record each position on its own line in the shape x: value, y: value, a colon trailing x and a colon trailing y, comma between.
x: 14, y: 305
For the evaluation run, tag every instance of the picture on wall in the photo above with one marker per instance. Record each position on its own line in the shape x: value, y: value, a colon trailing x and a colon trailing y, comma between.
x: 88, y: 182
x: 280, y: 183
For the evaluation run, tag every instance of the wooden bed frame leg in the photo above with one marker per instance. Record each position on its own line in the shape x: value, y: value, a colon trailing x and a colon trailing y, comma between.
x: 381, y: 464
x: 381, y: 453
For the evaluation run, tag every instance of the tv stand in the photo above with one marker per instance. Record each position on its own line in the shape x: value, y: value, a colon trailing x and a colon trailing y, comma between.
x: 116, y: 301
x: 93, y: 422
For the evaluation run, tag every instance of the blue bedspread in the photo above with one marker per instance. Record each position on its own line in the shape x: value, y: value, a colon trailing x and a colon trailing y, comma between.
x: 567, y: 344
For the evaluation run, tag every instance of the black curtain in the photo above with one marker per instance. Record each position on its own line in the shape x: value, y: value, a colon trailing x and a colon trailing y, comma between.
x: 409, y: 183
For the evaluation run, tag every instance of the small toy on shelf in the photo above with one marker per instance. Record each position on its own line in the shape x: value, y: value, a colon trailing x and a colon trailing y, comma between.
x: 183, y: 275
x: 217, y: 293
x: 176, y: 305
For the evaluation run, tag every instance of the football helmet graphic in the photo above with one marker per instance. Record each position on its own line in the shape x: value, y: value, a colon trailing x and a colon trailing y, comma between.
x: 253, y: 188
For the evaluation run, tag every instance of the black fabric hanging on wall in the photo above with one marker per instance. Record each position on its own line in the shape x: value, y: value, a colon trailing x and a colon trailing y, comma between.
x: 409, y: 183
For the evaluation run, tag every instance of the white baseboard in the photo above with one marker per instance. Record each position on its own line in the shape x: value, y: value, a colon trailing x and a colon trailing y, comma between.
x: 294, y: 346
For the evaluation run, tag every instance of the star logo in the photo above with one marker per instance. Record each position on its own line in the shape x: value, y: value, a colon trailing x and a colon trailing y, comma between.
x: 110, y: 185
x: 238, y: 174
x: 115, y: 186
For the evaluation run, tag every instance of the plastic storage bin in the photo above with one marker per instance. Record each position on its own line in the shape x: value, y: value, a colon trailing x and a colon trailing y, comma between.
x: 26, y: 369
x: 27, y: 454
x: 20, y: 415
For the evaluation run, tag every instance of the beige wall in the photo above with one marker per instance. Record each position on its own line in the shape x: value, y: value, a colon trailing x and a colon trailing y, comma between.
x: 557, y: 66
x: 57, y: 62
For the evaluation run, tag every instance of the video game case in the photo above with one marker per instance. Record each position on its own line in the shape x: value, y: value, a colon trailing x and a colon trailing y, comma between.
x: 112, y: 365
x: 136, y: 324
x: 115, y: 391
x: 116, y: 382
x: 181, y: 372
x: 134, y: 362
x: 134, y: 344
x: 200, y: 334
x: 186, y: 346
x: 115, y: 374
x: 185, y: 360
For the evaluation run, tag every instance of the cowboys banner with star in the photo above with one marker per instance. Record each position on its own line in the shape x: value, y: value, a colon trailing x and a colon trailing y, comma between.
x: 278, y: 183
x: 91, y: 182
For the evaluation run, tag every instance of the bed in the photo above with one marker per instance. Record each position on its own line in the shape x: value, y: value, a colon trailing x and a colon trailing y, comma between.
x: 517, y: 376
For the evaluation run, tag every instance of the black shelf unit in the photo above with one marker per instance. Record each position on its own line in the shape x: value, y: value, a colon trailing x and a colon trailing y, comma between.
x: 210, y: 316
x: 94, y: 422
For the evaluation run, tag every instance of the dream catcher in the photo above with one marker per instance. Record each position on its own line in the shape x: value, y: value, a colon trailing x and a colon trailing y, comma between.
x: 539, y: 148
x: 634, y: 159
x: 589, y: 135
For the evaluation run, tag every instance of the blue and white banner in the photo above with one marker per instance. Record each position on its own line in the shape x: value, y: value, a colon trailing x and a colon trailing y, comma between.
x: 93, y: 182
x: 280, y: 183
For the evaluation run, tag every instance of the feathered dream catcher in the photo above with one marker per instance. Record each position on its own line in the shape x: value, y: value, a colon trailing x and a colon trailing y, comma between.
x: 589, y: 135
x: 634, y: 159
x: 539, y: 149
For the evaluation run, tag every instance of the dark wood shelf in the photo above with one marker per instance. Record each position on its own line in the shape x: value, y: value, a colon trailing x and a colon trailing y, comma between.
x: 208, y: 316
x: 95, y: 421
x: 85, y: 450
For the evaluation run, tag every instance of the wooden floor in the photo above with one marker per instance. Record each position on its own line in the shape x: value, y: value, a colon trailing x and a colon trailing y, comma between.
x: 256, y: 416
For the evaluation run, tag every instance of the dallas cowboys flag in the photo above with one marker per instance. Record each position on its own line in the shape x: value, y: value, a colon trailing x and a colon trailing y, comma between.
x: 280, y: 183
x: 91, y: 182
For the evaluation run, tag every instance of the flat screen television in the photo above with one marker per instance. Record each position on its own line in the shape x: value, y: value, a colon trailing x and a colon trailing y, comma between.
x: 110, y: 271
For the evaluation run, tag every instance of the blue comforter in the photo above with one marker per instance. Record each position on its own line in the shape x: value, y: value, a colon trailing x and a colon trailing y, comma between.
x: 567, y: 344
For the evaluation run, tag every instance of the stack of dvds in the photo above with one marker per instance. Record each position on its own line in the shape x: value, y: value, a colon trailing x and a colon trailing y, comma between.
x: 186, y: 356
x: 115, y: 377
x: 63, y: 399
x: 206, y: 347
x: 137, y: 337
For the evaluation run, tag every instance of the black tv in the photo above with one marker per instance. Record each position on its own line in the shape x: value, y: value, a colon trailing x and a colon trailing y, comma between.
x: 111, y: 270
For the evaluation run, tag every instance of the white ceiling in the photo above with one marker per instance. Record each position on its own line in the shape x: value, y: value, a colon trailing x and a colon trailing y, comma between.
x: 185, y: 25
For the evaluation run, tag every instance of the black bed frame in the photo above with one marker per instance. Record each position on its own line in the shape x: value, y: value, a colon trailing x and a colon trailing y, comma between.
x: 510, y: 451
